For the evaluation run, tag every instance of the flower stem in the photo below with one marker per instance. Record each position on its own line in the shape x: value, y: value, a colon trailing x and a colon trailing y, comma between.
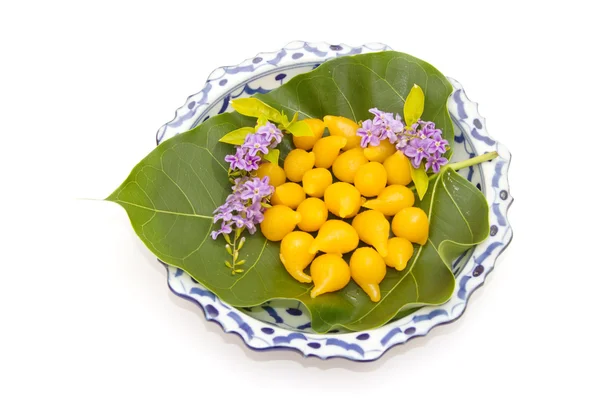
x: 234, y: 252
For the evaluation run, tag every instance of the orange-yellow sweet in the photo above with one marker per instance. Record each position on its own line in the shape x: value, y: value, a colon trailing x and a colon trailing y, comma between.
x: 412, y: 224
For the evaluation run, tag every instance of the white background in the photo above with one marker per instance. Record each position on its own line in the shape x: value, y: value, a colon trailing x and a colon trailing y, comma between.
x: 84, y: 308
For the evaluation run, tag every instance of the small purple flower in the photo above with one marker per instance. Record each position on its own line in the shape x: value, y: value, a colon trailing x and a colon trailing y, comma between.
x: 244, y: 222
x: 237, y: 161
x: 236, y: 203
x: 389, y: 125
x: 379, y: 115
x: 256, y: 143
x: 398, y: 124
x: 254, y: 212
x: 402, y: 142
x: 411, y: 130
x: 432, y: 133
x: 428, y: 130
x: 438, y: 146
x: 391, y: 130
x: 224, y: 207
x: 255, y: 189
x: 391, y: 136
x: 427, y: 144
x: 226, y: 216
x: 271, y: 133
x: 252, y: 162
x: 416, y: 150
x: 225, y: 229
x: 238, y: 184
x: 258, y: 218
x: 251, y: 227
x: 238, y: 221
x: 426, y: 125
x: 435, y: 162
x: 369, y: 134
x: 436, y: 135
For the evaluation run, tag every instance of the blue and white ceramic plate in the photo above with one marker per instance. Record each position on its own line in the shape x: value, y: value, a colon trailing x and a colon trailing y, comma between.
x: 286, y: 324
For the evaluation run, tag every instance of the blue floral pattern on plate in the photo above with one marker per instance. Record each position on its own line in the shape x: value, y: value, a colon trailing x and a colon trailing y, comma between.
x: 286, y: 324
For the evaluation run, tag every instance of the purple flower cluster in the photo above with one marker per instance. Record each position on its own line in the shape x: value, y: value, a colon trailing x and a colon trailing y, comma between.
x: 383, y: 126
x: 421, y: 141
x: 243, y: 207
x: 247, y: 156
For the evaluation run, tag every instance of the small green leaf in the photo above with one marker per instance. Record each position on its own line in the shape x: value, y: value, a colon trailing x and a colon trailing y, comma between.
x: 261, y: 121
x: 300, y: 128
x: 414, y: 105
x: 285, y: 122
x: 420, y: 179
x: 236, y: 137
x: 252, y: 107
x: 272, y: 156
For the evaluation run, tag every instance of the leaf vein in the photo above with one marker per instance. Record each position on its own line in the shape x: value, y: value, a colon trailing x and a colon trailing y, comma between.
x: 163, y: 211
x: 200, y: 245
x: 459, y: 210
x: 197, y: 176
x: 162, y: 168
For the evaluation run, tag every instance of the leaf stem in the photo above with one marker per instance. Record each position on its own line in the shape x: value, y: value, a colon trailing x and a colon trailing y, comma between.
x: 472, y: 161
x: 463, y: 164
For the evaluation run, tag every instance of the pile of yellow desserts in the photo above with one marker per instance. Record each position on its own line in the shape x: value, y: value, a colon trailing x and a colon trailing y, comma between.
x: 307, y: 198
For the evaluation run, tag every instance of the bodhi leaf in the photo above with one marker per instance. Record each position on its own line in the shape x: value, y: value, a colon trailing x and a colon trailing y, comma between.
x: 171, y: 194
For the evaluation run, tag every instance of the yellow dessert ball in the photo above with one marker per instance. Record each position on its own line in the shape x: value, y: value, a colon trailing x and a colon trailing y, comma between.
x: 314, y: 214
x: 397, y: 167
x: 289, y: 194
x: 316, y: 180
x: 296, y: 163
x: 370, y: 179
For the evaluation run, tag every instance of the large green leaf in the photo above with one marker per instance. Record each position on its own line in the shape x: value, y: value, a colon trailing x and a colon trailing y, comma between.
x: 171, y: 194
